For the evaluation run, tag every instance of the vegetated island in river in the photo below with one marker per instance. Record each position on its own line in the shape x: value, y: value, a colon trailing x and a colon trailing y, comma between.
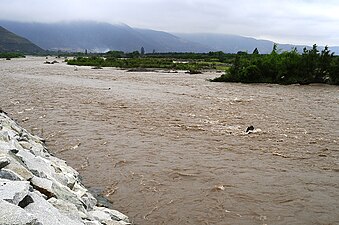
x: 10, y: 55
x: 193, y: 62
x: 289, y: 67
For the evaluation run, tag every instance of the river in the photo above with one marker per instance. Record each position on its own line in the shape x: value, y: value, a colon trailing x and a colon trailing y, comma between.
x: 171, y: 148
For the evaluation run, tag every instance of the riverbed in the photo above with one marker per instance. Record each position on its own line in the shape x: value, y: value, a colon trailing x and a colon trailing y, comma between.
x: 171, y: 148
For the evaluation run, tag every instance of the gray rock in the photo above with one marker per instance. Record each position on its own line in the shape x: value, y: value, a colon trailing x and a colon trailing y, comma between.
x: 13, y: 191
x: 14, y: 151
x: 23, y: 136
x: 63, y: 192
x: 26, y: 201
x: 46, y: 213
x: 113, y: 222
x: 15, y: 144
x: 100, y: 215
x: 10, y: 175
x: 68, y: 209
x: 4, y: 136
x: 4, y: 161
x: 25, y: 155
x: 37, y: 148
x: 89, y: 200
x: 9, y: 146
x: 92, y: 223
x: 19, y: 168
x: 52, y: 188
x: 4, y: 147
x: 16, y: 127
x: 12, y: 214
x: 43, y: 185
x: 37, y: 165
x: 64, y: 173
x: 104, y: 214
x: 85, y: 196
x: 26, y: 145
x: 115, y: 215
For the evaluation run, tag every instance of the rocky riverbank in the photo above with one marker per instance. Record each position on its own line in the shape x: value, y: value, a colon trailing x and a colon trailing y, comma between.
x: 37, y: 188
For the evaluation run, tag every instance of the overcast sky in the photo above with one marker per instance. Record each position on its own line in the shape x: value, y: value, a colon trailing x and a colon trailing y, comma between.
x: 283, y: 21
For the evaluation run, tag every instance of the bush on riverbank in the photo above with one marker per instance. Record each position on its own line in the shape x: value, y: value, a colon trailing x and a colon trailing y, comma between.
x: 169, y: 61
x: 290, y: 67
x: 144, y: 62
x: 10, y: 55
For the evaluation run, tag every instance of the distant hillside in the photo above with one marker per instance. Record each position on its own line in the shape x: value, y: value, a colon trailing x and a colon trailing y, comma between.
x: 10, y: 42
x: 234, y: 43
x: 102, y: 37
x: 335, y: 49
x: 95, y: 36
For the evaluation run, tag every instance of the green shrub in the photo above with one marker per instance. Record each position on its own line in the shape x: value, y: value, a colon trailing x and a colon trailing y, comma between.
x: 290, y: 67
x: 10, y: 55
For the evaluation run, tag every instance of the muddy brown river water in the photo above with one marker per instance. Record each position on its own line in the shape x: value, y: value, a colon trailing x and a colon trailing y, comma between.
x: 172, y: 149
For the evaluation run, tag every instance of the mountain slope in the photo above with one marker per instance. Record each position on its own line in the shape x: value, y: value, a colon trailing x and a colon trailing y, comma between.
x: 234, y: 43
x: 172, y: 43
x: 10, y: 42
x: 95, y: 36
x: 101, y: 37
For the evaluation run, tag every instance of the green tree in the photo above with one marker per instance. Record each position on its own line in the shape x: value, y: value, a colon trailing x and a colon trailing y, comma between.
x: 334, y: 71
x: 289, y: 66
x: 251, y: 74
x: 235, y: 68
x: 134, y: 54
x: 115, y: 54
x: 325, y: 61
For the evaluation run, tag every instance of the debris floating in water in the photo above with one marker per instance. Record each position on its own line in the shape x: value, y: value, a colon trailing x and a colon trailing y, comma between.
x: 218, y: 188
x: 250, y: 129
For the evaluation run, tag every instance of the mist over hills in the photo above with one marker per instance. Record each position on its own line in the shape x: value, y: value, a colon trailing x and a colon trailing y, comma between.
x: 234, y: 43
x: 102, y: 37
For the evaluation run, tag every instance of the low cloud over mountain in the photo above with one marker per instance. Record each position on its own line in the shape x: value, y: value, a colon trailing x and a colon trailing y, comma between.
x: 101, y: 37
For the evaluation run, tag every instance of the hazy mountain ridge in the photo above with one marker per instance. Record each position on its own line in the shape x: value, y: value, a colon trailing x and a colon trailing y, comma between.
x: 101, y: 37
x: 234, y: 43
x: 10, y: 42
x: 94, y: 36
